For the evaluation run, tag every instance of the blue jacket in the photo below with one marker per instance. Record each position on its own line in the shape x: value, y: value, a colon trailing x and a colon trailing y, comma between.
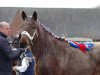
x: 30, y: 69
x: 6, y: 55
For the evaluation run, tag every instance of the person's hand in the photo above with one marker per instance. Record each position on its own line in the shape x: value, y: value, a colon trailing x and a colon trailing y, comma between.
x: 15, y: 68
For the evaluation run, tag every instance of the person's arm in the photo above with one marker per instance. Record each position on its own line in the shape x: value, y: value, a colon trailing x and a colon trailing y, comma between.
x: 6, y: 49
x: 23, y: 67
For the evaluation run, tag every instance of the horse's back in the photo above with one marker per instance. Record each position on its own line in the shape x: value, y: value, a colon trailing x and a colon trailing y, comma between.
x: 61, y: 59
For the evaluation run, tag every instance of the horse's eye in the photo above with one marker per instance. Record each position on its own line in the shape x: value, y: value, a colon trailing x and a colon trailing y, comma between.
x: 33, y: 29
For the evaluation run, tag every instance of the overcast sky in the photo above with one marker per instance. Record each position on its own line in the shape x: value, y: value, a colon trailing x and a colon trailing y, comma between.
x: 51, y: 3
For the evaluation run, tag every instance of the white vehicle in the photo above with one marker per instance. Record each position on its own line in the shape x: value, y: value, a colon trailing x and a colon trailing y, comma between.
x: 80, y: 39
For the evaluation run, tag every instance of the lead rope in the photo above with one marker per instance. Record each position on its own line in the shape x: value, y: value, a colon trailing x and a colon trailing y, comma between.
x: 23, y: 54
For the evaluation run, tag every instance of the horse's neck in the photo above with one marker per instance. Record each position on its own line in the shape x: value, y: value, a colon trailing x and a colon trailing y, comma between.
x: 44, y: 39
x: 41, y: 43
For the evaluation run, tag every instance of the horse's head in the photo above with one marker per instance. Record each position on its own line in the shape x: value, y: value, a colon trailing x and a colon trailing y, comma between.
x: 30, y: 23
x: 32, y: 26
x: 36, y: 30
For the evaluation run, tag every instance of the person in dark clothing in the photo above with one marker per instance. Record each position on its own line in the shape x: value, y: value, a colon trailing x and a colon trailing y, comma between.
x: 6, y: 53
x: 27, y: 61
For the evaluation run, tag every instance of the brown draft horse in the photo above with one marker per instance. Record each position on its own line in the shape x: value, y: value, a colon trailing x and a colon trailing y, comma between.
x: 54, y: 56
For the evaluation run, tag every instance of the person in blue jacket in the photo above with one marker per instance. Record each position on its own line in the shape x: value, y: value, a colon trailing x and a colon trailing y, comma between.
x: 27, y: 62
x: 6, y: 53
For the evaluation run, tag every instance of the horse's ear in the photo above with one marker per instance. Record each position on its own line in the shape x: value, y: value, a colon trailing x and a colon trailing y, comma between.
x: 34, y: 16
x: 24, y: 15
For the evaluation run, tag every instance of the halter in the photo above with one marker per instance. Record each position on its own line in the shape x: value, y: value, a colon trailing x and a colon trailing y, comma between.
x: 32, y: 37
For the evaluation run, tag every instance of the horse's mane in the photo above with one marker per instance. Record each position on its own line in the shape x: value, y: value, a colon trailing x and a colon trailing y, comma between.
x: 48, y: 31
